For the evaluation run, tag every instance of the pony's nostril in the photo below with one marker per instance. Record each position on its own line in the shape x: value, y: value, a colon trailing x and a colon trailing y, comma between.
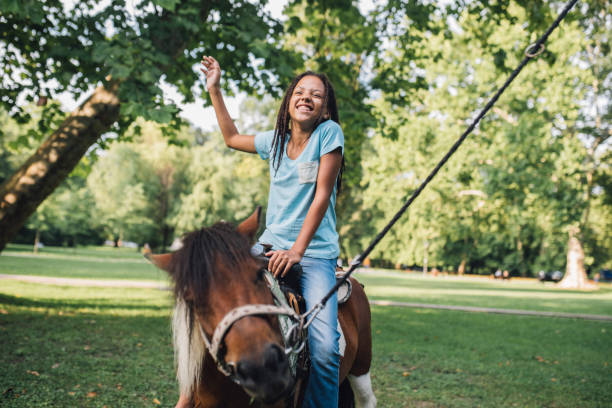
x: 242, y: 370
x: 274, y: 358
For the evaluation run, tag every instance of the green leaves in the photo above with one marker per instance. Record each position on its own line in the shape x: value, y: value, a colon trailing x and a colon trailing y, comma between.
x: 59, y: 48
x: 29, y: 9
x: 163, y: 114
x: 169, y: 5
x: 530, y: 178
x: 133, y: 109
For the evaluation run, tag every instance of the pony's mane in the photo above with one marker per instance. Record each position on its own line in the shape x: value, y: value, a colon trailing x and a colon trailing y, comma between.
x: 191, y: 269
x: 193, y: 265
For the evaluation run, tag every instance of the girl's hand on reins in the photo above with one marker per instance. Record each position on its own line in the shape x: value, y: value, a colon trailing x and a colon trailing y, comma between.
x: 212, y: 70
x: 281, y: 261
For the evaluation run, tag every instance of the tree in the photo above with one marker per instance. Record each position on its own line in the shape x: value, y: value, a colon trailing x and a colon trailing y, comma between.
x: 117, y: 53
x: 136, y: 184
x: 118, y: 182
x: 150, y: 190
x: 66, y: 218
x: 509, y: 193
x: 221, y: 183
x: 595, y: 132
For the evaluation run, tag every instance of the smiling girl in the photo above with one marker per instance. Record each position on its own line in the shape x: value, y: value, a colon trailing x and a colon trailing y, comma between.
x: 305, y: 152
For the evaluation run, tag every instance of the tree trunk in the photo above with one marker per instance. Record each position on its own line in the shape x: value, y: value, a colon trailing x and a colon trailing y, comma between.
x: 165, y: 237
x: 23, y: 192
x: 461, y: 269
x: 425, y: 246
x: 575, y: 275
x: 36, y: 240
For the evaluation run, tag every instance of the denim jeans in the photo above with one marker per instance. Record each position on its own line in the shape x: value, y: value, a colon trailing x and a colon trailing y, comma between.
x: 318, y: 277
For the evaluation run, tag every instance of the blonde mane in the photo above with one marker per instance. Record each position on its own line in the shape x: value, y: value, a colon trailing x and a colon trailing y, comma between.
x: 191, y: 269
x: 189, y: 350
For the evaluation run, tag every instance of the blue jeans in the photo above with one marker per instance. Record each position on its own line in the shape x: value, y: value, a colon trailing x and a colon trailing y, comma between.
x: 318, y: 277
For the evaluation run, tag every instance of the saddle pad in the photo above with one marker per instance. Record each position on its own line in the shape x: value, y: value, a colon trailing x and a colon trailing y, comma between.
x: 285, y: 321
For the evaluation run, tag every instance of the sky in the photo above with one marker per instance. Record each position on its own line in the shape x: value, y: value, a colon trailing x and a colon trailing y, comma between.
x: 200, y: 116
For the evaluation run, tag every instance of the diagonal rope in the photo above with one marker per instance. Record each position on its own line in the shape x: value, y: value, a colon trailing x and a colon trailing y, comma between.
x: 532, y: 51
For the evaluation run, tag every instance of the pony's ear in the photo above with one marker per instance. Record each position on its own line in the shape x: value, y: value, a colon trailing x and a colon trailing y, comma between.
x: 249, y: 226
x: 162, y: 261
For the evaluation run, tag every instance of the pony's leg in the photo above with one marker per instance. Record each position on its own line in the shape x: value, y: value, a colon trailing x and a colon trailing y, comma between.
x: 184, y: 402
x: 362, y: 388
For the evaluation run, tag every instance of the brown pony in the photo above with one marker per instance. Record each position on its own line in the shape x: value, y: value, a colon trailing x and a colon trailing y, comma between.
x: 214, y: 273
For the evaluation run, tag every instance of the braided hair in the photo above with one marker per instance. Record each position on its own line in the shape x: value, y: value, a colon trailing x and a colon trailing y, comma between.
x: 283, y: 120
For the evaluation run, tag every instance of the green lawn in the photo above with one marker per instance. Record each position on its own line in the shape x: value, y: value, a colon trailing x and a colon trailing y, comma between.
x: 89, y: 262
x: 433, y: 358
x: 485, y: 292
x: 96, y: 347
x: 84, y: 347
x: 86, y: 251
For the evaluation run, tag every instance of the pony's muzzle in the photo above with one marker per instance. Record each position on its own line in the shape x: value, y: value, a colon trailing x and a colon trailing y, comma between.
x: 268, y: 378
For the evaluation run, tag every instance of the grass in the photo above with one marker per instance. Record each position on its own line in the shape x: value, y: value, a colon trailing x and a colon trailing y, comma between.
x: 89, y: 262
x: 484, y: 292
x: 96, y: 347
x: 81, y: 251
x: 85, y: 347
x: 432, y: 358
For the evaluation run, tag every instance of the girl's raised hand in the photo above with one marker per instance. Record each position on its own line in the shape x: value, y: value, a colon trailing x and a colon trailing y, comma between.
x: 212, y: 70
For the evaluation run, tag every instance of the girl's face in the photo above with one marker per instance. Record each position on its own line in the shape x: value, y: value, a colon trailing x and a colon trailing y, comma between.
x: 306, y: 103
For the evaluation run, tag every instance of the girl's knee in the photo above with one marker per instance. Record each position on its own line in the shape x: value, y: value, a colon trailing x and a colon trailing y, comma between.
x: 326, y: 353
x: 329, y: 360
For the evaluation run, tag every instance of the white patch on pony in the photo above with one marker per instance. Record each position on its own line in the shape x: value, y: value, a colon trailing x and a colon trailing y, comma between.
x: 362, y: 389
x: 188, y: 352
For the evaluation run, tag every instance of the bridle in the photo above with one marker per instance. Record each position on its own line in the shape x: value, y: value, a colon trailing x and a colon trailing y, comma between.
x: 293, y: 337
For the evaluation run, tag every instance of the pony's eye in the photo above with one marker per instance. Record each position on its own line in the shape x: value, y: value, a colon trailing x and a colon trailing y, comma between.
x: 260, y: 275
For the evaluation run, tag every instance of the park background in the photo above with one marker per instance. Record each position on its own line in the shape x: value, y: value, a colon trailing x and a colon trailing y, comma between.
x: 140, y: 160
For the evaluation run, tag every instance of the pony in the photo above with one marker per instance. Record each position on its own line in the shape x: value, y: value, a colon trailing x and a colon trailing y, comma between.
x: 245, y: 363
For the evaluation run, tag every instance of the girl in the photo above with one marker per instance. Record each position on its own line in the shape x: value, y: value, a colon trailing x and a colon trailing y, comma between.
x: 305, y: 152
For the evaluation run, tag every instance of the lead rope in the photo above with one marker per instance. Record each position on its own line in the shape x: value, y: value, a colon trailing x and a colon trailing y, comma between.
x: 532, y: 51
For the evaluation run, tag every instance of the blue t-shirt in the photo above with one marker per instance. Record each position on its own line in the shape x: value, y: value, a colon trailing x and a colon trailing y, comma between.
x: 292, y: 189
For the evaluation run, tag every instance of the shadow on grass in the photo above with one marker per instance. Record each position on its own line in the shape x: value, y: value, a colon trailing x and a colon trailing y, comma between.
x: 85, y: 360
x: 93, y: 303
x: 79, y: 250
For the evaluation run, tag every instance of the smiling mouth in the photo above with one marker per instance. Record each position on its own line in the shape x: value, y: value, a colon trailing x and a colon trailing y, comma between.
x: 304, y: 108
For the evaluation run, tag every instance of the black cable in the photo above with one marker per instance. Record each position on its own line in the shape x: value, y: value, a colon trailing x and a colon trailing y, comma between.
x: 535, y: 46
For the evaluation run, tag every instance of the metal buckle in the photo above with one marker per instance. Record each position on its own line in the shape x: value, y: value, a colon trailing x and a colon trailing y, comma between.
x: 529, y: 53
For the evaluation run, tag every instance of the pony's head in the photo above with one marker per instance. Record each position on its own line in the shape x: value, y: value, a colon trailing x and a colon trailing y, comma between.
x: 215, y: 273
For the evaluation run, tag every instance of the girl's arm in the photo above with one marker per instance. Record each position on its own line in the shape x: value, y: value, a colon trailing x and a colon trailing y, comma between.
x: 329, y: 166
x: 232, y: 137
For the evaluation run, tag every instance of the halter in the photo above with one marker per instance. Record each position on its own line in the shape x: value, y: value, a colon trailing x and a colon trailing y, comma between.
x: 293, y: 340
